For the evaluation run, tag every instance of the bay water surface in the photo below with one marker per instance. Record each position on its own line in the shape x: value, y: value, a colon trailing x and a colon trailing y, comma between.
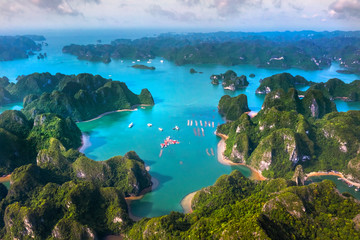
x: 179, y: 97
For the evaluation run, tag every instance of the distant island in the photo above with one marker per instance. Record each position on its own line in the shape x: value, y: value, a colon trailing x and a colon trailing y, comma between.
x: 19, y: 47
x: 81, y: 97
x: 333, y: 89
x: 230, y: 80
x: 140, y: 66
x: 306, y: 50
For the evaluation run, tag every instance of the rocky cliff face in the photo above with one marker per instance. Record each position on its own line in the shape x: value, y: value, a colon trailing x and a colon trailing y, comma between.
x: 233, y: 107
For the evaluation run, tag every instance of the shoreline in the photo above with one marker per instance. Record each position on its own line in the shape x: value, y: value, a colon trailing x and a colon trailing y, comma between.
x: 338, y: 174
x: 255, y: 174
x: 107, y: 113
x: 5, y: 179
x: 85, y: 142
x: 133, y: 108
x: 155, y: 184
x: 186, y: 202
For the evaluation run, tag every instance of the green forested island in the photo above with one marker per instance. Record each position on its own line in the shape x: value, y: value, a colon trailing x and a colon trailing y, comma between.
x: 80, y: 97
x: 337, y: 89
x: 230, y: 80
x: 140, y: 66
x: 17, y: 47
x: 305, y: 49
x: 289, y: 131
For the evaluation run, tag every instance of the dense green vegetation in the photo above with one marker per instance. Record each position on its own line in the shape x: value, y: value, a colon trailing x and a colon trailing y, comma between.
x: 335, y: 88
x: 283, y: 81
x: 238, y: 208
x: 80, y: 97
x: 306, y: 49
x: 233, y: 107
x: 21, y: 139
x: 230, y: 80
x: 17, y: 47
x: 61, y: 193
x: 289, y: 131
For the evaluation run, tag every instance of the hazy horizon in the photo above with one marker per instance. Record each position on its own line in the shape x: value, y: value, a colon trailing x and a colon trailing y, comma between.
x: 180, y: 15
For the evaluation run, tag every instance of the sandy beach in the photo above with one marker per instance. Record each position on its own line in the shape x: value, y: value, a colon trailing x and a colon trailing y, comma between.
x: 255, y: 174
x: 186, y: 202
x: 155, y: 184
x: 5, y: 179
x: 338, y: 174
x: 107, y: 113
x: 85, y: 143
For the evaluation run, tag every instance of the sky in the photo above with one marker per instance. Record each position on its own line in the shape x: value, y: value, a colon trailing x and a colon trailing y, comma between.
x: 235, y: 15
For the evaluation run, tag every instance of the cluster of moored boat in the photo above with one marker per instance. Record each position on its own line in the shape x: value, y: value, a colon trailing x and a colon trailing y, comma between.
x: 168, y: 141
x: 150, y: 125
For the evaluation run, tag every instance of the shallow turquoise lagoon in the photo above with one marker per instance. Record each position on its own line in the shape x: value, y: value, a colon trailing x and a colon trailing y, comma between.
x: 179, y: 97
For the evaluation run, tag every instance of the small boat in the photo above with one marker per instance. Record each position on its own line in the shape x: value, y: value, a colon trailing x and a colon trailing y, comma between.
x: 350, y: 185
x: 357, y: 189
x: 133, y: 61
x: 138, y: 60
x: 160, y: 129
x: 161, y: 61
x: 131, y: 125
x: 149, y: 124
x: 176, y: 128
x: 142, y: 107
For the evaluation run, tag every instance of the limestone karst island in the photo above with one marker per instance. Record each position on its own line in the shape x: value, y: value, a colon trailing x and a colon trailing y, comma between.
x: 180, y: 119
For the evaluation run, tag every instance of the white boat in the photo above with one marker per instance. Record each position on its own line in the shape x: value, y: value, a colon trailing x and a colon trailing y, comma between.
x: 161, y: 61
x: 138, y: 60
x: 149, y: 124
x: 176, y: 128
x: 160, y: 129
x: 131, y: 125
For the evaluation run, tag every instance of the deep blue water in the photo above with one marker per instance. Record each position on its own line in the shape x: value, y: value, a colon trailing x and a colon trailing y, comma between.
x: 179, y: 97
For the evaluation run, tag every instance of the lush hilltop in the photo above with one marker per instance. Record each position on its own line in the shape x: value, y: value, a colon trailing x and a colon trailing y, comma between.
x: 306, y: 50
x: 17, y: 47
x: 283, y: 81
x: 21, y: 138
x: 55, y: 190
x: 230, y: 80
x: 80, y: 97
x: 238, y: 208
x: 67, y: 199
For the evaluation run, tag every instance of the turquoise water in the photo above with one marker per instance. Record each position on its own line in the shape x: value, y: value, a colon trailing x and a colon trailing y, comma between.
x: 179, y: 97
x: 340, y: 185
